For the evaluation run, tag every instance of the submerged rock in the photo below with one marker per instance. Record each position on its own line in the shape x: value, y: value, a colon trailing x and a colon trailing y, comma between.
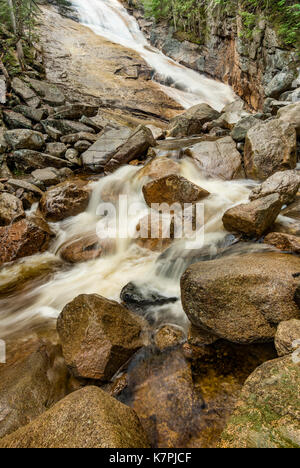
x: 267, y: 414
x: 218, y: 158
x: 88, y: 418
x: 169, y: 336
x: 270, y: 147
x: 11, y: 209
x: 254, y: 218
x: 65, y: 200
x: 98, y: 336
x: 191, y: 122
x: 140, y: 297
x: 24, y: 238
x: 285, y: 183
x: 173, y: 189
x: 242, y: 299
x: 155, y: 231
x: 30, y: 386
x: 287, y: 334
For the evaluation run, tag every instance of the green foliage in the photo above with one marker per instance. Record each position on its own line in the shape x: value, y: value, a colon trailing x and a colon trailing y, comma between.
x: 25, y: 14
x: 190, y: 15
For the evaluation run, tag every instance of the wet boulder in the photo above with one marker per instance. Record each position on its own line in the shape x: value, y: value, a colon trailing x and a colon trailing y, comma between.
x: 28, y: 161
x: 107, y: 145
x: 287, y: 338
x: 24, y: 139
x: 11, y: 209
x: 285, y: 183
x: 270, y: 147
x: 23, y: 239
x: 31, y: 385
x: 135, y: 147
x: 82, y: 249
x: 139, y: 297
x: 218, y: 158
x: 173, y: 189
x: 242, y: 299
x: 98, y: 336
x: 66, y: 199
x: 254, y: 218
x: 291, y: 115
x: 15, y: 120
x: 159, y: 167
x: 267, y: 413
x: 283, y: 241
x: 87, y: 418
x: 191, y: 121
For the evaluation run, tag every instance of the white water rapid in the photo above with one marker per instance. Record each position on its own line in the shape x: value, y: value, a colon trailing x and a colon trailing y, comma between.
x: 56, y: 283
x: 109, y: 19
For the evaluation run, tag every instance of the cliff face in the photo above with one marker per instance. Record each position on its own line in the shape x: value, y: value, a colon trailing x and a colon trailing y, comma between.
x: 257, y: 68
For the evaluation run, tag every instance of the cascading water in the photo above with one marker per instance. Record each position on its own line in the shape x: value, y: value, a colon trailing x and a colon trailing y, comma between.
x: 109, y: 19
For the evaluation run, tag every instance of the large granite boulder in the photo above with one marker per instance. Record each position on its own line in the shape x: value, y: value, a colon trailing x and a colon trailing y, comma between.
x: 268, y: 413
x: 88, y: 418
x: 254, y: 218
x: 242, y: 299
x: 11, y: 209
x: 98, y: 336
x: 191, y: 121
x: 291, y: 115
x: 270, y: 147
x: 285, y: 183
x: 31, y: 385
x: 67, y: 199
x: 218, y: 158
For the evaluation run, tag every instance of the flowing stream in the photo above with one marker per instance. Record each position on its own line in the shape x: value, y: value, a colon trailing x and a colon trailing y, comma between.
x: 55, y: 283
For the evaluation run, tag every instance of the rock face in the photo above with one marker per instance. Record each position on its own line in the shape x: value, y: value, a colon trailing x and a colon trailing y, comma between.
x: 283, y: 241
x: 24, y: 139
x: 218, y: 158
x: 270, y: 147
x: 98, y: 336
x: 254, y: 218
x: 11, y: 209
x: 287, y: 333
x: 64, y: 200
x: 24, y: 238
x: 134, y: 148
x: 285, y: 183
x: 30, y: 386
x: 268, y: 413
x: 191, y: 122
x: 173, y: 189
x: 241, y: 299
x: 105, y: 148
x: 88, y: 418
x: 291, y: 114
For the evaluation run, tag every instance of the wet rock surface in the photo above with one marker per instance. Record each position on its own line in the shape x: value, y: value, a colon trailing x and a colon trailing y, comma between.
x: 191, y: 122
x: 285, y: 183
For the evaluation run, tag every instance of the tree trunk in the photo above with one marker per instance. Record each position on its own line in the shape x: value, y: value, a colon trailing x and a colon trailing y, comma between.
x: 12, y: 16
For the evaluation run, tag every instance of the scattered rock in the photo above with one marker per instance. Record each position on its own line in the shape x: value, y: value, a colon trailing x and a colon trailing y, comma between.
x: 280, y: 83
x: 65, y: 200
x: 30, y: 386
x: 157, y: 132
x: 66, y: 127
x: 74, y: 137
x: 282, y: 241
x: 45, y: 178
x: 75, y: 111
x: 50, y: 93
x: 11, y: 209
x: 291, y: 115
x: 191, y: 122
x: 218, y: 158
x: 52, y: 132
x: 240, y: 130
x: 241, y: 299
x: 267, y: 414
x: 56, y: 149
x: 82, y: 145
x: 24, y: 139
x: 96, y: 157
x: 73, y: 157
x: 254, y: 218
x: 28, y: 161
x: 26, y: 186
x: 173, y: 189
x: 25, y: 92
x: 285, y: 183
x: 15, y: 120
x: 270, y: 147
x: 30, y: 113
x: 24, y: 238
x: 135, y: 147
x: 98, y: 336
x: 3, y: 90
x: 287, y: 334
x: 87, y: 418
